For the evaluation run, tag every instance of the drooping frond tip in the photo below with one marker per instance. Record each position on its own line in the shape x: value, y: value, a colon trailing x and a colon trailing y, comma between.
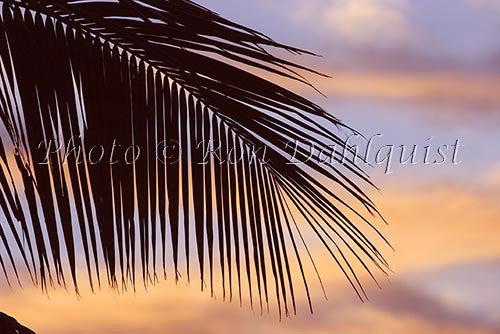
x: 132, y: 137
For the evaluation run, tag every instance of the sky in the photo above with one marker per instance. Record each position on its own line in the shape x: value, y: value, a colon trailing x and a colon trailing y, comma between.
x: 416, y: 72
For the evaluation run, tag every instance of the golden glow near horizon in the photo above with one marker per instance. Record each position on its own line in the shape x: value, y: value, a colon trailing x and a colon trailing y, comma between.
x: 434, y: 229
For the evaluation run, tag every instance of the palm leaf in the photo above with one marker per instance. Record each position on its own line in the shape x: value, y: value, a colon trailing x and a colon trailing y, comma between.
x: 140, y: 73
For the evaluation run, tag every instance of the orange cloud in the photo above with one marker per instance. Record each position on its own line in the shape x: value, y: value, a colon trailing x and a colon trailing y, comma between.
x: 436, y: 225
x: 437, y: 88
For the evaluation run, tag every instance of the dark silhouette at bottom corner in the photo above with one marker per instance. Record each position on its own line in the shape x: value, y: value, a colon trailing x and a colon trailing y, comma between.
x: 9, y: 325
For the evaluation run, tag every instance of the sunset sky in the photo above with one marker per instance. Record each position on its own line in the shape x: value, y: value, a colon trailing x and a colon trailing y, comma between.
x: 420, y: 73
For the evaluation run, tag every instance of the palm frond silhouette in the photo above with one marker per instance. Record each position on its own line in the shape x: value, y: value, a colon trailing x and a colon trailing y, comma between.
x: 140, y: 73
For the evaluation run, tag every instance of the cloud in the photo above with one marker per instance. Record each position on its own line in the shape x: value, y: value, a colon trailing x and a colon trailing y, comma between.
x: 401, y: 299
x: 436, y: 225
x: 358, y: 23
x: 455, y: 90
x: 383, y: 22
x: 400, y: 307
x: 492, y: 177
x: 469, y: 286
